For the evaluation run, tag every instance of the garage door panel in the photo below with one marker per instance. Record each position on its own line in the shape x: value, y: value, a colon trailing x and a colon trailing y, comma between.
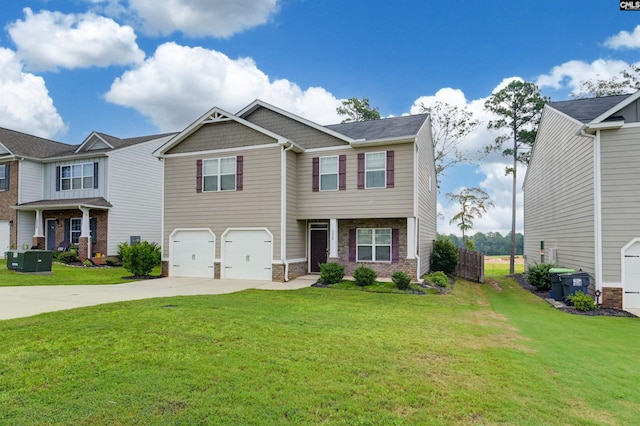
x: 193, y: 254
x: 248, y: 255
x: 4, y: 237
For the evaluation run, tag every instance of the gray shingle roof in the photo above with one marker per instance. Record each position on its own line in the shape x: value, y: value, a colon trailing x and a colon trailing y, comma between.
x: 25, y: 145
x: 96, y: 202
x: 121, y: 143
x: 381, y: 129
x: 585, y: 110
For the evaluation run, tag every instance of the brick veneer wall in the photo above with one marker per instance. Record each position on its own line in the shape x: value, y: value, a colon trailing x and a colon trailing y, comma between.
x: 7, y: 200
x: 612, y: 297
x: 102, y: 227
x: 383, y: 269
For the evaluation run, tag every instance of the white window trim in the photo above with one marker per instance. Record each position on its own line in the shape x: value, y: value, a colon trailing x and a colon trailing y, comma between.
x: 72, y: 177
x: 71, y: 231
x: 336, y: 173
x: 373, y: 245
x: 3, y: 177
x: 219, y: 175
x: 383, y: 169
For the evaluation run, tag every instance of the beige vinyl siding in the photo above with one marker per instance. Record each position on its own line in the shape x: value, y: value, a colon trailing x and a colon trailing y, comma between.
x: 353, y: 202
x: 620, y: 183
x: 427, y: 197
x: 300, y: 133
x: 257, y: 205
x: 296, y: 234
x: 221, y: 135
x: 559, y: 194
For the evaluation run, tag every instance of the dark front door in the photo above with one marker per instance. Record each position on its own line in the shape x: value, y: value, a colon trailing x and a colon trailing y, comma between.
x: 51, y: 234
x: 318, y: 248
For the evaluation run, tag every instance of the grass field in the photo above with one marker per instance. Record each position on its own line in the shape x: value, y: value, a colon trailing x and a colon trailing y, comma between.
x: 66, y: 275
x: 499, y: 265
x: 475, y: 356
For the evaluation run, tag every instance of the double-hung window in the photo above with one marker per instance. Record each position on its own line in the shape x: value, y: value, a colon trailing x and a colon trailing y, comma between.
x: 4, y: 177
x: 329, y: 173
x: 77, y: 176
x: 75, y: 229
x: 373, y: 245
x: 219, y: 174
x: 376, y: 169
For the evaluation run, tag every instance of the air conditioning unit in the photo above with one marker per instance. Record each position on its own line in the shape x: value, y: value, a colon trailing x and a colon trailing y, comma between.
x: 552, y: 256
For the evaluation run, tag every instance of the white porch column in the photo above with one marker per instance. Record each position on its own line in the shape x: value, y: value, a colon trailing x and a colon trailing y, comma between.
x: 333, y: 238
x: 411, y: 238
x: 85, y: 229
x: 38, y: 232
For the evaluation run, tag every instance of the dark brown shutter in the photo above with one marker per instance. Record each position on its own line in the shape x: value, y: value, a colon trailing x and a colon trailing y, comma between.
x: 57, y: 178
x: 390, y: 173
x: 395, y: 245
x: 93, y: 227
x: 95, y: 174
x: 239, y: 172
x: 198, y: 175
x: 342, y: 172
x: 361, y: 170
x: 315, y: 174
x: 352, y: 245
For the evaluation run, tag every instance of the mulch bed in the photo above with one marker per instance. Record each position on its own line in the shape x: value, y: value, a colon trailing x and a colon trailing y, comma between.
x: 609, y: 312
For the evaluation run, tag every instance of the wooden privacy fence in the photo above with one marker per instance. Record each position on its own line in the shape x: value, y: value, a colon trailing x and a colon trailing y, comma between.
x: 470, y: 265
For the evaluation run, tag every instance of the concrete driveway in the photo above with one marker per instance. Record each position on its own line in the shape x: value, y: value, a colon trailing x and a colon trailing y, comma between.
x: 19, y: 302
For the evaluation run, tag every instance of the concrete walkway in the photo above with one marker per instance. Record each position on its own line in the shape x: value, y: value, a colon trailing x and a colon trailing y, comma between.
x: 19, y: 302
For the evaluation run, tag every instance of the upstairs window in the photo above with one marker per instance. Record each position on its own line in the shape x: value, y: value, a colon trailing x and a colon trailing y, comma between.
x: 77, y: 176
x: 219, y: 174
x: 376, y: 170
x: 329, y: 173
x: 4, y: 177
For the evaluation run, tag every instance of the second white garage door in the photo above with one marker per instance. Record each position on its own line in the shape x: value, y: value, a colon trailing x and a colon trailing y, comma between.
x: 247, y: 254
x: 4, y: 237
x: 193, y: 253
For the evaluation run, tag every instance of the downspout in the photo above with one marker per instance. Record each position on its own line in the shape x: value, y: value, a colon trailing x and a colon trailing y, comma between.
x: 283, y: 210
x: 597, y: 213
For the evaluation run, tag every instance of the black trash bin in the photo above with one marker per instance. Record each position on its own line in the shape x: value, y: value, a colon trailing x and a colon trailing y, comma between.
x: 556, y: 283
x: 574, y: 282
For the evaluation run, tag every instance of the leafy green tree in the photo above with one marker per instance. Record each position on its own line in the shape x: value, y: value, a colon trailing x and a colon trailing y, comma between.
x: 519, y: 107
x: 450, y: 125
x: 473, y: 203
x: 354, y: 109
x: 628, y: 82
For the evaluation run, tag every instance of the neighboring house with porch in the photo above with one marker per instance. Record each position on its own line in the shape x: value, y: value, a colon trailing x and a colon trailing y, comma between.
x: 582, y: 194
x: 93, y: 196
x: 265, y: 194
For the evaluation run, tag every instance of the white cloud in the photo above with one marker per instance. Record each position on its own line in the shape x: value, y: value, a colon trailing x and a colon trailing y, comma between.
x: 195, y: 18
x: 570, y: 74
x: 178, y: 84
x: 624, y: 39
x: 52, y: 40
x: 26, y: 105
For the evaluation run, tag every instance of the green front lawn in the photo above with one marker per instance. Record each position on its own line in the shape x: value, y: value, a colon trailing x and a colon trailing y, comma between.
x: 66, y: 275
x: 475, y: 356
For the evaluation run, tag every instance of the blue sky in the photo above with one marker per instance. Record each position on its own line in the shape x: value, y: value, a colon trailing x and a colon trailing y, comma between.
x: 137, y: 67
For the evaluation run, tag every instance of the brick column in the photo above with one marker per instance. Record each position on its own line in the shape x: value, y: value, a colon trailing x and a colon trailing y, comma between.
x: 38, y: 242
x: 612, y: 297
x: 83, y: 247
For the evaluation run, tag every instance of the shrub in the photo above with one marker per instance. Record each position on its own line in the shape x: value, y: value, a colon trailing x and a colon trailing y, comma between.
x: 67, y: 257
x: 364, y: 276
x: 87, y: 263
x: 110, y: 261
x: 538, y: 275
x: 582, y: 302
x: 437, y: 278
x: 401, y: 280
x: 139, y: 258
x: 445, y: 256
x: 331, y: 273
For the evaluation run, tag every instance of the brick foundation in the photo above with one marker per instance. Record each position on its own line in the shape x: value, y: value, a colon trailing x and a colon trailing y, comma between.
x: 612, y: 297
x: 164, y: 265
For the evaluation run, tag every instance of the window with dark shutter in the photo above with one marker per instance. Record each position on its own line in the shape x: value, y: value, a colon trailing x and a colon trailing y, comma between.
x: 361, y: 170
x: 4, y: 177
x: 342, y: 173
x: 95, y: 175
x: 58, y: 178
x: 315, y: 174
x: 239, y: 172
x: 390, y: 171
x: 198, y: 175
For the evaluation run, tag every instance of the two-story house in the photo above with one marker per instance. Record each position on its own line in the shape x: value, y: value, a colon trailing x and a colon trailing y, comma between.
x: 582, y: 194
x: 265, y: 194
x: 95, y: 195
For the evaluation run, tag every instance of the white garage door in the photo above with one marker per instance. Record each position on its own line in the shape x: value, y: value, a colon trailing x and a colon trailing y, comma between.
x: 192, y: 253
x: 247, y: 254
x: 631, y: 296
x: 4, y: 237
